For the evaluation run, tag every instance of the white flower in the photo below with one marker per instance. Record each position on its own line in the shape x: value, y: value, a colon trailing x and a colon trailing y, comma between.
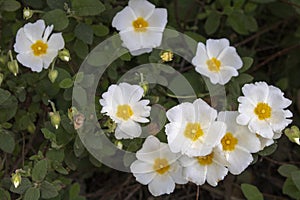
x: 217, y: 60
x: 210, y: 168
x: 123, y: 105
x: 262, y: 109
x: 192, y: 129
x: 238, y: 143
x: 141, y: 26
x: 35, y: 48
x: 157, y: 167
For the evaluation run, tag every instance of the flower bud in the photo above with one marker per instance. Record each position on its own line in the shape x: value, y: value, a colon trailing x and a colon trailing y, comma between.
x: 293, y: 134
x: 64, y: 55
x: 27, y: 13
x: 55, y: 119
x: 52, y: 75
x: 13, y: 67
x: 78, y: 120
x: 3, y: 59
x: 167, y: 56
x: 119, y: 144
x: 145, y: 86
x: 16, y: 179
x: 31, y: 128
x: 1, y: 78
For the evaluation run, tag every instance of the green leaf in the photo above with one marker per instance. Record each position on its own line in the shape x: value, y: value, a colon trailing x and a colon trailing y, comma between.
x: 286, y: 170
x: 32, y: 194
x: 25, y: 184
x: 247, y: 63
x: 55, y: 155
x: 8, y: 109
x: 244, y: 78
x: 290, y: 189
x: 237, y: 21
x: 66, y: 83
x: 4, y: 195
x: 48, y: 190
x: 251, y: 192
x: 53, y: 4
x: 78, y: 147
x: 80, y: 96
x: 84, y: 32
x: 296, y: 178
x: 87, y: 7
x: 212, y: 23
x: 39, y: 170
x: 74, y: 191
x: 81, y: 49
x: 58, y: 18
x: 100, y: 30
x: 268, y: 150
x: 263, y: 1
x: 4, y: 95
x: 49, y: 135
x: 10, y: 5
x: 7, y: 141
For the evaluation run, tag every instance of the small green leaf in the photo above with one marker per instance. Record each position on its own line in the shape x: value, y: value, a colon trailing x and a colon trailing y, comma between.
x: 100, y: 30
x: 286, y: 170
x: 251, y: 192
x: 87, y: 7
x: 58, y: 18
x: 79, y: 94
x: 296, y: 178
x: 66, y: 83
x: 244, y: 78
x: 48, y: 190
x: 78, y: 147
x: 84, y: 32
x: 268, y: 150
x: 263, y: 1
x: 10, y: 5
x: 39, y: 170
x: 290, y: 189
x: 25, y: 184
x: 81, y: 49
x: 237, y: 21
x: 32, y: 194
x: 212, y: 23
x: 4, y: 195
x: 53, y: 4
x: 7, y: 141
x: 74, y: 191
x: 4, y: 95
x: 49, y: 135
x: 247, y: 63
x: 55, y: 155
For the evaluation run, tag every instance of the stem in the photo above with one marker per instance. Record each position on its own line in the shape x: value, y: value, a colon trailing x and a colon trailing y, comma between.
x: 52, y: 105
x: 10, y: 55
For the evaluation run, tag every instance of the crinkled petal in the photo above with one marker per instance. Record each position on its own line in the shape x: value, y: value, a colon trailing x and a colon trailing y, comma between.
x: 196, y: 173
x: 261, y: 127
x: 176, y: 172
x: 124, y: 19
x: 257, y: 92
x: 278, y: 120
x: 49, y: 57
x: 151, y: 39
x: 204, y: 113
x: 131, y: 40
x: 226, y: 73
x: 201, y: 57
x: 181, y: 113
x: 175, y: 137
x: 47, y: 32
x: 23, y: 44
x: 56, y: 42
x: 35, y: 63
x: 239, y: 160
x: 141, y: 8
x: 140, y: 167
x: 215, y: 133
x: 34, y: 31
x: 158, y: 20
x: 229, y: 57
x: 145, y: 178
x: 215, y: 47
x: 161, y: 184
x: 140, y: 51
x: 150, y: 150
x: 216, y: 173
x: 130, y: 128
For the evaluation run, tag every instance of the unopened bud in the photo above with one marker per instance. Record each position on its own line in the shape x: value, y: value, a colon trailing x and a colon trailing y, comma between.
x: 31, y: 128
x: 52, y: 75
x: 145, y: 86
x: 293, y: 134
x: 55, y: 119
x: 167, y: 56
x: 3, y: 59
x: 1, y: 78
x: 64, y: 55
x: 16, y: 179
x: 27, y: 13
x: 78, y: 120
x: 13, y: 67
x: 119, y: 144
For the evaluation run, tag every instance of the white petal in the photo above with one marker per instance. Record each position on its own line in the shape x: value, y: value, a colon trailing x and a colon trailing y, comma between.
x: 131, y: 128
x: 23, y: 44
x: 161, y: 184
x: 181, y: 113
x: 131, y: 93
x: 215, y: 133
x: 196, y: 173
x: 204, y: 113
x: 239, y: 160
x: 216, y: 173
x: 276, y: 99
x: 213, y: 76
x: 150, y: 150
x: 49, y: 57
x: 158, y: 20
x: 131, y: 40
x: 229, y: 57
x: 145, y: 178
x: 47, y: 32
x: 215, y: 47
x: 261, y: 127
x: 35, y: 63
x: 56, y: 41
x: 176, y: 172
x: 278, y: 120
x: 248, y: 140
x: 175, y: 137
x: 257, y: 92
x: 151, y: 39
x: 123, y: 19
x: 226, y: 73
x: 119, y: 134
x: 140, y: 51
x: 141, y: 8
x: 140, y: 167
x: 242, y: 119
x: 34, y: 31
x: 201, y: 56
x: 246, y: 107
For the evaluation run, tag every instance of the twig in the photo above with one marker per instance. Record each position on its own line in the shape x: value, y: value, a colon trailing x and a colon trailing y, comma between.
x: 133, y: 192
x: 280, y: 163
x: 197, y: 194
x: 290, y: 3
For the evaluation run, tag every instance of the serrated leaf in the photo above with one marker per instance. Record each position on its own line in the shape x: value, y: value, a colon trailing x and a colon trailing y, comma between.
x: 286, y: 170
x: 58, y: 18
x: 7, y: 141
x: 212, y: 23
x: 10, y: 5
x: 251, y: 192
x: 39, y: 170
x: 87, y: 7
x: 84, y: 32
x: 290, y: 189
x: 66, y: 83
x: 32, y: 194
x: 296, y: 178
x: 247, y: 63
x: 48, y: 190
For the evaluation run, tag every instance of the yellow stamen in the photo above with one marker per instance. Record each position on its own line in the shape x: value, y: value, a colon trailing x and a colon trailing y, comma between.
x: 193, y: 131
x: 213, y: 64
x: 124, y: 112
x: 228, y: 142
x: 263, y: 111
x: 161, y: 165
x: 206, y: 160
x: 140, y: 25
x: 39, y: 48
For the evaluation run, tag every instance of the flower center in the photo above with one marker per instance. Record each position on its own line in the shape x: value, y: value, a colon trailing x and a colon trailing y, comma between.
x: 263, y: 111
x: 213, y: 64
x: 124, y: 112
x: 193, y: 131
x: 228, y: 142
x: 140, y: 25
x: 39, y: 48
x: 161, y: 165
x: 206, y: 160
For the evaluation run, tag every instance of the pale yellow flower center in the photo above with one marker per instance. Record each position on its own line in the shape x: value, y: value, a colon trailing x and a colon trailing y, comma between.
x: 213, y: 64
x: 193, y: 131
x: 140, y: 25
x: 206, y: 160
x: 124, y: 111
x: 161, y: 165
x: 263, y: 111
x: 228, y: 142
x: 39, y: 48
